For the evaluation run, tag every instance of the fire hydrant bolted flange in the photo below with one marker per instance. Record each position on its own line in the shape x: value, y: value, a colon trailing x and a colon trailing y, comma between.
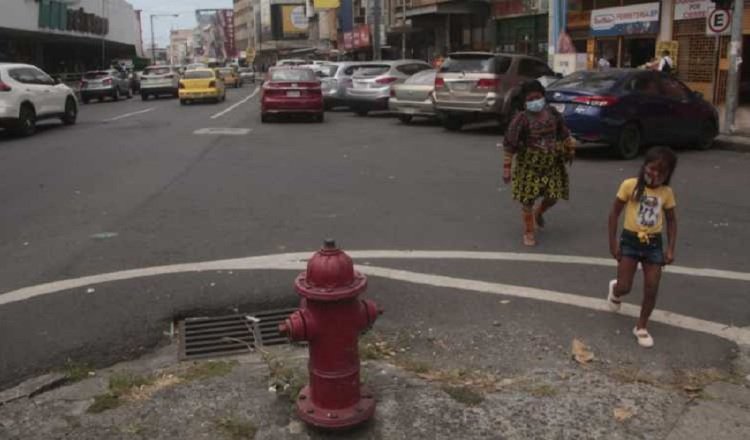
x: 330, y: 319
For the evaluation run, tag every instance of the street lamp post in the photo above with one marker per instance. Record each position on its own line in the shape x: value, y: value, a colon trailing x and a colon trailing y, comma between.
x: 153, y: 41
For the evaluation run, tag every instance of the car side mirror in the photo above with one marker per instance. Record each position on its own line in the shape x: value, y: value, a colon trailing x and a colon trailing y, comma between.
x: 56, y: 80
x: 558, y: 75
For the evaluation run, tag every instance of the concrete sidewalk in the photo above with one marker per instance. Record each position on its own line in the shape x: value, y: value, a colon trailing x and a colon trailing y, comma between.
x: 252, y: 396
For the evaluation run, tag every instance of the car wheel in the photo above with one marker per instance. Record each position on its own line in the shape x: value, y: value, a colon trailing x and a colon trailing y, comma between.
x: 264, y: 118
x: 26, y: 121
x: 116, y: 94
x: 144, y: 97
x: 71, y: 112
x: 707, y: 136
x: 453, y: 123
x: 183, y: 101
x: 629, y: 142
x: 320, y: 117
x: 405, y: 119
x: 130, y: 93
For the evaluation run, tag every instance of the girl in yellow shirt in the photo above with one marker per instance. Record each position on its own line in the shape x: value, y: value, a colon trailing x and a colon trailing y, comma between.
x: 648, y: 201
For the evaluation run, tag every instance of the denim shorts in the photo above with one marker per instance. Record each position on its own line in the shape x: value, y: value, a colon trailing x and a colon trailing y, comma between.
x: 649, y: 253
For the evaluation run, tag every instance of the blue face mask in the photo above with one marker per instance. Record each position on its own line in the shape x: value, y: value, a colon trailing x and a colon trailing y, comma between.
x: 535, y: 106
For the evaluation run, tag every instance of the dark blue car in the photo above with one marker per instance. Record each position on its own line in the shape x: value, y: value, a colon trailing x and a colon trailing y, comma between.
x: 630, y: 108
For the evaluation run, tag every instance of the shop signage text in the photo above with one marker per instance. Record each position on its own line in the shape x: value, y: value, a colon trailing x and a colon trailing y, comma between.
x: 690, y: 9
x: 626, y: 20
x: 56, y: 15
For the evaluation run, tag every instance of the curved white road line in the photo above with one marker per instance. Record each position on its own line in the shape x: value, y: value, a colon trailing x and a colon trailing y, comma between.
x: 278, y: 260
x: 237, y: 104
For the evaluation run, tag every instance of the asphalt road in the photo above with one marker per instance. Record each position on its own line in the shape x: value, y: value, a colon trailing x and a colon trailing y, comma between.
x: 139, y: 185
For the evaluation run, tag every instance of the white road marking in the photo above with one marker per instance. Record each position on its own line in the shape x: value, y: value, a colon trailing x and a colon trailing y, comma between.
x: 223, y: 131
x: 127, y: 115
x: 296, y: 261
x: 235, y: 105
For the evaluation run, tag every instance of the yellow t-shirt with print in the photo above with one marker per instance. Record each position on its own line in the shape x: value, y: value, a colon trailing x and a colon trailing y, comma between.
x: 645, y: 215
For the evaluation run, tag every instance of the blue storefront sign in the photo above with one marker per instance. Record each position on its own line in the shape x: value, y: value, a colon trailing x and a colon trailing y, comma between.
x: 626, y: 20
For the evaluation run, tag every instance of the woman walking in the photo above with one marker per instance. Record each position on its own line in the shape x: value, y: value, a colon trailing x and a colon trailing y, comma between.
x: 541, y: 144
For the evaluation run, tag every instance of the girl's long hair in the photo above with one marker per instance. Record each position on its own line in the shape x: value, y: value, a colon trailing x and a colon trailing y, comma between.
x: 663, y: 154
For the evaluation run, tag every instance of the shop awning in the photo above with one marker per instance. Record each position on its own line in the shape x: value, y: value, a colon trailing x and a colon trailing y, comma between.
x: 470, y: 7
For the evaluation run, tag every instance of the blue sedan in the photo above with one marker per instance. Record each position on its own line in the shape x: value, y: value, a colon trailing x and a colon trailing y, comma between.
x: 630, y: 108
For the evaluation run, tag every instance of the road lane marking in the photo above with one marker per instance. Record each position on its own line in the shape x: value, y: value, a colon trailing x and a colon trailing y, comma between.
x: 223, y: 131
x: 127, y: 115
x: 296, y: 261
x: 235, y: 105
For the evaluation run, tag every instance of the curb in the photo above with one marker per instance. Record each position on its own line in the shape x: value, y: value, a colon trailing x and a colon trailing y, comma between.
x: 733, y: 143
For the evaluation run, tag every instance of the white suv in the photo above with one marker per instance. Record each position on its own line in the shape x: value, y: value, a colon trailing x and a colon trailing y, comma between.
x: 27, y: 94
x: 160, y: 80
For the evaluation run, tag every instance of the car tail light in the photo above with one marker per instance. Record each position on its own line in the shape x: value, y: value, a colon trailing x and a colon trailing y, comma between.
x: 4, y: 87
x: 212, y: 84
x: 439, y: 83
x: 596, y: 101
x: 488, y: 83
x: 386, y: 80
x: 107, y: 82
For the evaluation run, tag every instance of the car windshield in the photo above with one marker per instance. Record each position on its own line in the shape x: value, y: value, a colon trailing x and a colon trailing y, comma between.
x: 588, y: 81
x: 96, y: 75
x: 156, y: 71
x: 198, y: 74
x: 475, y: 64
x: 292, y: 75
x: 370, y: 71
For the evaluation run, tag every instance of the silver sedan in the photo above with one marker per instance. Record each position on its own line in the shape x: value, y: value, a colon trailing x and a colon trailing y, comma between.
x: 414, y: 97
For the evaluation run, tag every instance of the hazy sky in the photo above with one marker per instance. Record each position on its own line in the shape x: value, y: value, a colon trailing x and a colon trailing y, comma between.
x: 162, y: 25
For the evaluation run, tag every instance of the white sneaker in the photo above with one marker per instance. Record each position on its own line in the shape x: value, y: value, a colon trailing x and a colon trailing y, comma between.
x: 613, y: 306
x: 644, y: 338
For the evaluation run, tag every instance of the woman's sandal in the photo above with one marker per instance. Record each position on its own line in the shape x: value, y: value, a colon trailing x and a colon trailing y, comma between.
x: 612, y: 302
x: 644, y: 338
x: 529, y: 240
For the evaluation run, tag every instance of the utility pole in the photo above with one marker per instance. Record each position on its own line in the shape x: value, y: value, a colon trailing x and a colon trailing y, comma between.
x: 103, y: 42
x: 403, y: 30
x: 735, y: 58
x: 376, y: 32
x: 153, y: 40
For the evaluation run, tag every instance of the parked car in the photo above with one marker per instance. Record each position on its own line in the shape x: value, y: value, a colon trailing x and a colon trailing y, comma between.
x: 473, y: 86
x: 230, y: 77
x: 630, y: 108
x: 28, y: 95
x: 247, y: 74
x: 414, y: 96
x: 160, y: 80
x: 371, y: 86
x: 289, y: 90
x: 100, y: 84
x: 201, y: 85
x: 291, y: 62
x: 335, y: 85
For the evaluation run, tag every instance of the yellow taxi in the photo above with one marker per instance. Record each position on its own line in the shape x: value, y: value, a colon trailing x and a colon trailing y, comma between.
x: 230, y: 76
x: 201, y: 84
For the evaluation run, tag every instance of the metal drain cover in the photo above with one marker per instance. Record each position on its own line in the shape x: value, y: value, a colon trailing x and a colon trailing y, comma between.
x: 204, y: 337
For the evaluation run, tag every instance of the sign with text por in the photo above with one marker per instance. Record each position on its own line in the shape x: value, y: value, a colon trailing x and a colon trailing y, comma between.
x: 691, y: 9
x: 626, y: 20
x: 718, y: 22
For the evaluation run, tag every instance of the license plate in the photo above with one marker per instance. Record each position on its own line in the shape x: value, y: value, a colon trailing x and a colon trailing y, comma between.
x: 460, y: 86
x: 409, y: 110
x: 293, y: 94
x: 559, y: 107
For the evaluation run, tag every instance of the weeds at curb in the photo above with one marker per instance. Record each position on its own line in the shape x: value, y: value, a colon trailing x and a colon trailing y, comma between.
x: 208, y: 370
x: 236, y: 429
x: 120, y: 385
x: 287, y: 380
x: 464, y: 395
x: 76, y: 371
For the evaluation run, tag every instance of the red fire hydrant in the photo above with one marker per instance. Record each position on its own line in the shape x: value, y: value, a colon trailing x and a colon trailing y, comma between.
x: 330, y: 319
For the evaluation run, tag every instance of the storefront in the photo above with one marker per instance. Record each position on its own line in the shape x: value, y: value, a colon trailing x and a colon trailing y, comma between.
x: 522, y: 27
x: 625, y: 36
x: 61, y: 37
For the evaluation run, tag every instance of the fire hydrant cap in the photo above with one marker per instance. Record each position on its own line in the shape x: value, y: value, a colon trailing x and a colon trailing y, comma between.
x: 330, y: 276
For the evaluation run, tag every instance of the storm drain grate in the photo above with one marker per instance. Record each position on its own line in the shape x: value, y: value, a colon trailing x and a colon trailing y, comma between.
x: 205, y: 337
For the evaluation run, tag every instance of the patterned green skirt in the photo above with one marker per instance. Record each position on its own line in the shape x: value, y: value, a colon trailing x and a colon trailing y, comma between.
x: 539, y: 174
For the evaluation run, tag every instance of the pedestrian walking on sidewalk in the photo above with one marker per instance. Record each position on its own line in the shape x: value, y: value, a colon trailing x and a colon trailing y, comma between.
x: 541, y: 144
x: 647, y: 200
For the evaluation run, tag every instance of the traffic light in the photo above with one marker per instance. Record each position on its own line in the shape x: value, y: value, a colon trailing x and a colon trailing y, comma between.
x: 723, y: 4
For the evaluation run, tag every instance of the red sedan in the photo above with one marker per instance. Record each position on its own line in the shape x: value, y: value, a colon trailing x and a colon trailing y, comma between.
x: 291, y: 91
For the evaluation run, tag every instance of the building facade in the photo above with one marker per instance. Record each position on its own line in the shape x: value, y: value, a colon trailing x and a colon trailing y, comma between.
x: 64, y: 36
x: 180, y: 46
x: 243, y: 15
